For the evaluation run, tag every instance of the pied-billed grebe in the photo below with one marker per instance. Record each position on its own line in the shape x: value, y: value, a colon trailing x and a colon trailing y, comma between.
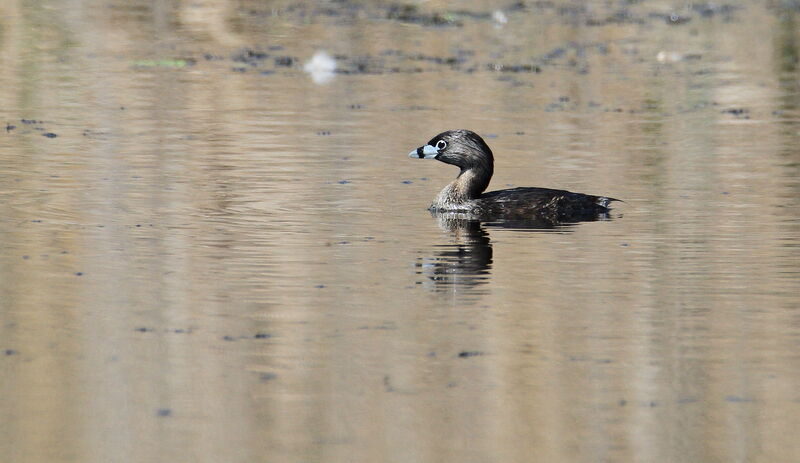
x: 468, y: 151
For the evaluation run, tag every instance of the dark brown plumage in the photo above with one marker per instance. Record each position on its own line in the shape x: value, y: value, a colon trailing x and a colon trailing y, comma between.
x: 468, y: 151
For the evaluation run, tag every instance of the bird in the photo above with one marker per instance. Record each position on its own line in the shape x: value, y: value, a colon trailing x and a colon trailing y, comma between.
x: 465, y: 195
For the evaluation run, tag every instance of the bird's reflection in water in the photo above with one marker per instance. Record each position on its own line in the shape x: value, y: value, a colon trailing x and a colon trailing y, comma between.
x: 463, y: 268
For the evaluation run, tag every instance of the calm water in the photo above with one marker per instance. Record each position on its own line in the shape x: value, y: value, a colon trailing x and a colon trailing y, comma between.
x: 214, y: 258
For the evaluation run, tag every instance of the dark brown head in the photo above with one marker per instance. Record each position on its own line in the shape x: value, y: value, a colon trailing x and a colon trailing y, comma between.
x: 462, y: 148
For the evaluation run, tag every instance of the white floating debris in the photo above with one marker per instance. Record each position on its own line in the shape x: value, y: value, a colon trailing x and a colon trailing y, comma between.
x: 669, y: 57
x: 499, y: 18
x: 321, y: 67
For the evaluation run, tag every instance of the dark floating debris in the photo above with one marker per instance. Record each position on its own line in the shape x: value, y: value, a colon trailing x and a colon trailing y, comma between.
x: 262, y: 336
x: 248, y: 55
x: 49, y: 135
x: 285, y: 61
x: 469, y: 353
x: 620, y: 17
x: 411, y: 14
x: 268, y: 376
x: 628, y: 16
x: 10, y: 127
x: 387, y: 384
x: 163, y: 412
x: 741, y: 113
x: 514, y: 68
x: 736, y: 111
x: 11, y: 352
x: 737, y: 399
x: 449, y: 60
x: 709, y: 9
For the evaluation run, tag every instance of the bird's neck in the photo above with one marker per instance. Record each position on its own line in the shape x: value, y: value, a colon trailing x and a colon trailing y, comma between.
x: 469, y: 185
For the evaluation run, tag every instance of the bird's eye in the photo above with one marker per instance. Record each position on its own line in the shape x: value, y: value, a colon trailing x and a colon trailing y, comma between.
x: 441, y: 144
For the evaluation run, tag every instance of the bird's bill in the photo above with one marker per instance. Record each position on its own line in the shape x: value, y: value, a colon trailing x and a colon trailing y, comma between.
x: 424, y: 152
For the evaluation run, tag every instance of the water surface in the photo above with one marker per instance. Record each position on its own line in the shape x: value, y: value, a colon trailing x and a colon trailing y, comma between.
x: 211, y: 257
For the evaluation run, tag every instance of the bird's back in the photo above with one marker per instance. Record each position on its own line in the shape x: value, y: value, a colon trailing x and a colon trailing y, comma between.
x: 560, y: 205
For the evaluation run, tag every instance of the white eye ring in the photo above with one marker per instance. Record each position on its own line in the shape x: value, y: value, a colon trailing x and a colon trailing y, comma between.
x: 441, y: 144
